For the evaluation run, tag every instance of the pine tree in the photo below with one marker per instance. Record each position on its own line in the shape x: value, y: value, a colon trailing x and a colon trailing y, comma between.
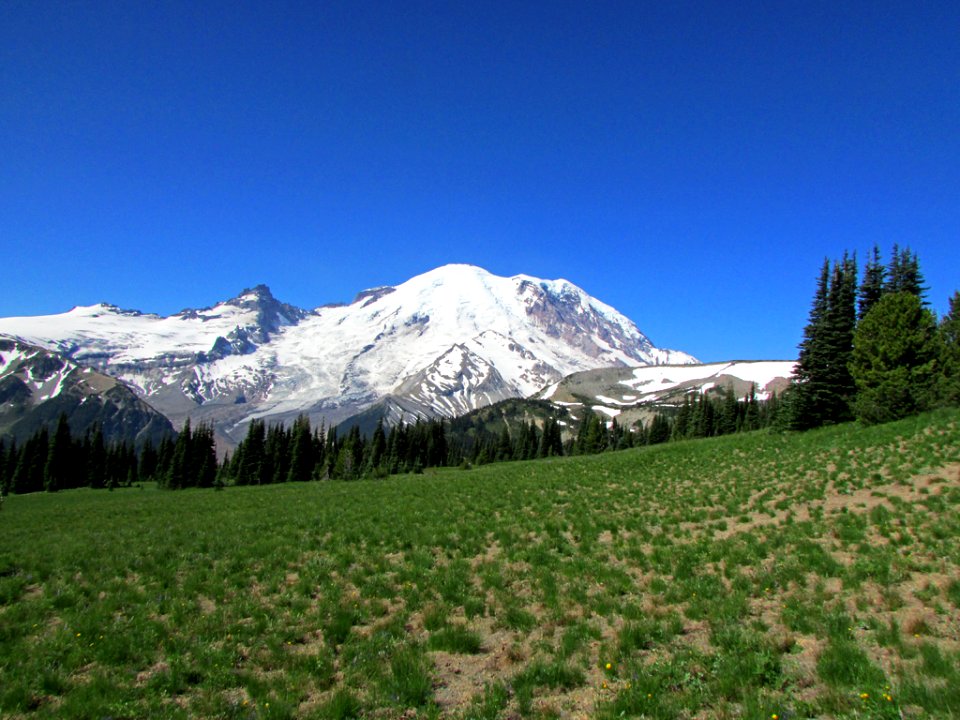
x: 250, y: 455
x: 894, y: 359
x: 178, y: 475
x: 302, y: 458
x: 164, y: 457
x: 28, y: 474
x: 751, y: 416
x: 730, y: 415
x: 148, y: 461
x: 904, y: 275
x: 4, y: 475
x: 949, y: 350
x: 96, y: 454
x: 659, y: 430
x: 59, y: 466
x: 682, y: 427
x: 203, y: 457
x: 823, y: 387
x: 873, y: 285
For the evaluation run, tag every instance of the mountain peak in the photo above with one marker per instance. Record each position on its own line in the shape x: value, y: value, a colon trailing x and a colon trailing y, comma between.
x: 257, y: 294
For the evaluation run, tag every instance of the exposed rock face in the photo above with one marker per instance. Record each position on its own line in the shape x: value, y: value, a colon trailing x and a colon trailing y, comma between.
x: 442, y: 343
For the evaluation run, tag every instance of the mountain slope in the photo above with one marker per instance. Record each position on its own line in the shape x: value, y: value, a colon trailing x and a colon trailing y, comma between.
x: 442, y: 343
x: 638, y: 392
x: 37, y: 386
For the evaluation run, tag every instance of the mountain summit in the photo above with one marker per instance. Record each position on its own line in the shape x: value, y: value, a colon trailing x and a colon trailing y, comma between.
x: 442, y: 343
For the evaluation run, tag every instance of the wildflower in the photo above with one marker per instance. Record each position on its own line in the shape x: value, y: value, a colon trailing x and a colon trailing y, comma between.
x: 78, y: 634
x: 774, y: 716
x: 609, y: 666
x: 864, y: 696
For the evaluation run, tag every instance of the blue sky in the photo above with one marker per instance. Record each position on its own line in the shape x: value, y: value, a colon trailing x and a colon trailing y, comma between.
x: 690, y: 164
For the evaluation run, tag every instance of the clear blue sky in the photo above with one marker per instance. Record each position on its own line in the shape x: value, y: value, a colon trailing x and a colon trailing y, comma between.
x: 690, y: 164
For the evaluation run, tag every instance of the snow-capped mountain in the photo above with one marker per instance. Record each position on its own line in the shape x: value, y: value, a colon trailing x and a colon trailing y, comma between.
x: 442, y: 343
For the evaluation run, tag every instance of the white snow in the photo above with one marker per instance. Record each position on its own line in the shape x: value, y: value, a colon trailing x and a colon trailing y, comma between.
x: 609, y: 412
x: 549, y: 391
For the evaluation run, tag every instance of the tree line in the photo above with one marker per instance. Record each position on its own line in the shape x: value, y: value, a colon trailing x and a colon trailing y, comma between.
x: 61, y: 461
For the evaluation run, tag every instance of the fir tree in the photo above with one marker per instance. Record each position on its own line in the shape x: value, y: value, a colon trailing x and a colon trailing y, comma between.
x: 96, y: 455
x: 250, y: 455
x: 873, y: 285
x: 894, y: 359
x: 32, y: 458
x: 60, y: 462
x: 659, y: 430
x: 949, y: 349
x: 823, y: 386
x: 377, y: 449
x: 904, y: 275
x: 203, y: 457
x: 178, y: 474
x: 4, y: 475
x: 302, y: 456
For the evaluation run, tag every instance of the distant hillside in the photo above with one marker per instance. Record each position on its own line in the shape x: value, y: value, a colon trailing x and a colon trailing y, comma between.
x: 638, y: 393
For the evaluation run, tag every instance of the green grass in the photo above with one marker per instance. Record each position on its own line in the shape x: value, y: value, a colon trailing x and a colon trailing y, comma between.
x: 805, y: 576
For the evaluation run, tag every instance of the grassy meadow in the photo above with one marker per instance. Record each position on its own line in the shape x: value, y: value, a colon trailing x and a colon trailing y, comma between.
x: 756, y: 576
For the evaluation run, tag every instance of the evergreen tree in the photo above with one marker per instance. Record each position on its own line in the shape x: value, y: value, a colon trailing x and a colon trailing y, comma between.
x: 96, y: 455
x: 730, y: 414
x: 302, y: 457
x: 178, y: 474
x: 751, y: 415
x: 894, y: 359
x: 4, y: 475
x: 904, y: 274
x: 551, y: 441
x: 660, y: 429
x: 823, y: 385
x: 203, y: 457
x: 250, y: 455
x: 949, y: 349
x: 504, y: 446
x: 148, y: 461
x: 28, y: 474
x: 164, y: 458
x: 60, y: 463
x: 682, y: 426
x: 872, y: 287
